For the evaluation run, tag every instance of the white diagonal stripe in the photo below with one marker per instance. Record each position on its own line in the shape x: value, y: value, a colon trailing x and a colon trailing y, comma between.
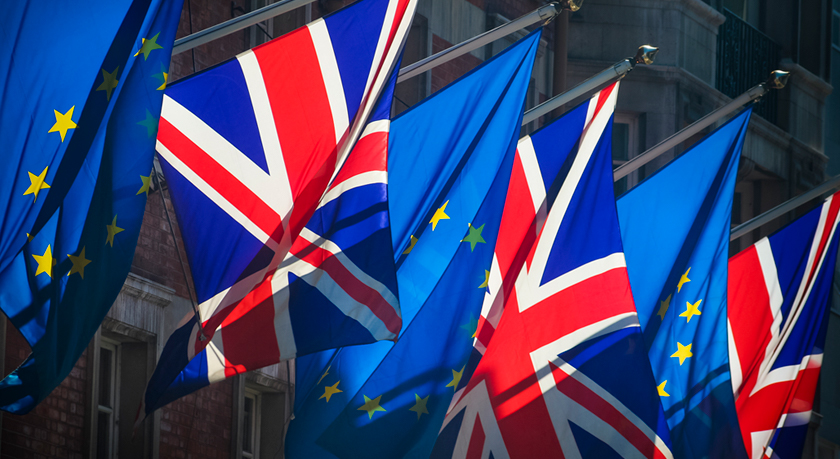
x: 332, y: 77
x: 267, y: 128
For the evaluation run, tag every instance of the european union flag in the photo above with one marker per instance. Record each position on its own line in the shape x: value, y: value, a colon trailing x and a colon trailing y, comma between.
x: 675, y: 229
x: 449, y: 165
x: 81, y: 97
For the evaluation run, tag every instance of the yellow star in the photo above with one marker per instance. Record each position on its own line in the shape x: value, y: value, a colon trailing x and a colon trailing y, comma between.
x: 471, y: 327
x: 486, y: 279
x: 419, y: 406
x: 411, y: 244
x: 691, y: 310
x: 456, y: 378
x: 149, y: 46
x: 147, y: 181
x: 45, y: 262
x: 683, y: 352
x: 329, y: 391
x: 163, y: 77
x: 324, y: 375
x: 29, y: 237
x: 371, y: 406
x: 661, y: 389
x: 79, y: 263
x: 109, y: 82
x: 439, y: 215
x: 113, y: 229
x: 474, y: 237
x: 63, y: 122
x: 683, y: 279
x: 37, y: 183
x: 663, y: 307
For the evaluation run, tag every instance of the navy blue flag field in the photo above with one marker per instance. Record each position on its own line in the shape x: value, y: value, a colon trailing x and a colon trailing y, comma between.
x: 675, y: 229
x: 279, y: 182
x: 449, y: 167
x: 78, y: 129
x: 780, y: 291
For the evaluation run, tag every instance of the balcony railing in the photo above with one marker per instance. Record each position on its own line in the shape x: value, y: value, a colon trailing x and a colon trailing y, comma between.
x: 745, y: 58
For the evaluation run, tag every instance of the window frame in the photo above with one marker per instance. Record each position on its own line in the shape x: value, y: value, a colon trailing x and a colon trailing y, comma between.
x: 255, y: 416
x: 113, y: 411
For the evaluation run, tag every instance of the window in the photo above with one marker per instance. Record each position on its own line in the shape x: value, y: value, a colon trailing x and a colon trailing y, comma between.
x: 118, y: 372
x: 625, y: 144
x: 108, y: 398
x: 262, y: 410
x: 251, y: 424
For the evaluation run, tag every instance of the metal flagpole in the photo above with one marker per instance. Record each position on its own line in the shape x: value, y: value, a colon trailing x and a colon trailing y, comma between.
x: 777, y: 80
x: 783, y: 208
x: 228, y: 27
x: 545, y: 13
x: 644, y: 55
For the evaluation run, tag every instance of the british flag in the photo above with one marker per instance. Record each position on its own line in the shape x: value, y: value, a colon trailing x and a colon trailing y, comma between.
x: 539, y: 158
x: 279, y: 217
x: 779, y: 299
x: 566, y: 374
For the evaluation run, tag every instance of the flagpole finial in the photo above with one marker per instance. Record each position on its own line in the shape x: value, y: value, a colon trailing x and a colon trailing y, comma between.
x: 778, y: 79
x: 571, y: 5
x: 646, y: 54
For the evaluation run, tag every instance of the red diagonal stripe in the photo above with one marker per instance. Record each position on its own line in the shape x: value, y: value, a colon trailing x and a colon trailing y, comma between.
x: 476, y: 446
x: 353, y: 286
x: 234, y: 191
x: 588, y: 399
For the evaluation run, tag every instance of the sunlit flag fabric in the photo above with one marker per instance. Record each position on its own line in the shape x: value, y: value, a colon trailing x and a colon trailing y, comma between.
x: 450, y: 161
x: 565, y: 374
x: 248, y: 168
x: 779, y: 302
x: 675, y: 228
x: 78, y: 138
x: 538, y: 160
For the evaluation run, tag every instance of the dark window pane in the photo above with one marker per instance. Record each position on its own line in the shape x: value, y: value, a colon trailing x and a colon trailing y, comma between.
x: 105, y: 363
x: 103, y: 436
x: 248, y: 428
x: 621, y: 142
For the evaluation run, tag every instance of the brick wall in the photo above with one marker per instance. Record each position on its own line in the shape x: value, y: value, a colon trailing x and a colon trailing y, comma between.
x: 198, y: 425
x: 55, y: 427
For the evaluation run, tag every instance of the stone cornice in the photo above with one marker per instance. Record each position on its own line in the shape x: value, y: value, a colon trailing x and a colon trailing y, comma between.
x: 146, y: 290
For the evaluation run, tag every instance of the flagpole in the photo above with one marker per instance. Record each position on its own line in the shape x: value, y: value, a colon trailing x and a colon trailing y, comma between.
x: 777, y: 80
x: 785, y: 207
x: 238, y: 23
x: 644, y: 55
x: 545, y: 13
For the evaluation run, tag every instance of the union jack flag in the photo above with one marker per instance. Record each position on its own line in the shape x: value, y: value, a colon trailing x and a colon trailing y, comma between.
x: 779, y: 300
x: 279, y: 218
x: 566, y: 374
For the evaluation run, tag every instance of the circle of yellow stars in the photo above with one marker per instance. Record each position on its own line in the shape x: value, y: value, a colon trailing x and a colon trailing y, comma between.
x: 63, y: 124
x: 683, y: 352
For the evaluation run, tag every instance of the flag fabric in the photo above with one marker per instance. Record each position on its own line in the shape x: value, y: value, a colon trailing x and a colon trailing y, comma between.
x: 779, y: 303
x: 675, y: 229
x: 277, y: 216
x: 450, y: 162
x: 539, y: 158
x: 565, y: 374
x: 78, y: 131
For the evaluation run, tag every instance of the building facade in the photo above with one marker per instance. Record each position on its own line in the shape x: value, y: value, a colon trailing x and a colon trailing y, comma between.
x: 710, y: 51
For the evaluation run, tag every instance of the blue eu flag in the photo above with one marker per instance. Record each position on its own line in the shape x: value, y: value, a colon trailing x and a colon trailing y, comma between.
x: 449, y: 165
x: 79, y: 107
x: 675, y: 229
